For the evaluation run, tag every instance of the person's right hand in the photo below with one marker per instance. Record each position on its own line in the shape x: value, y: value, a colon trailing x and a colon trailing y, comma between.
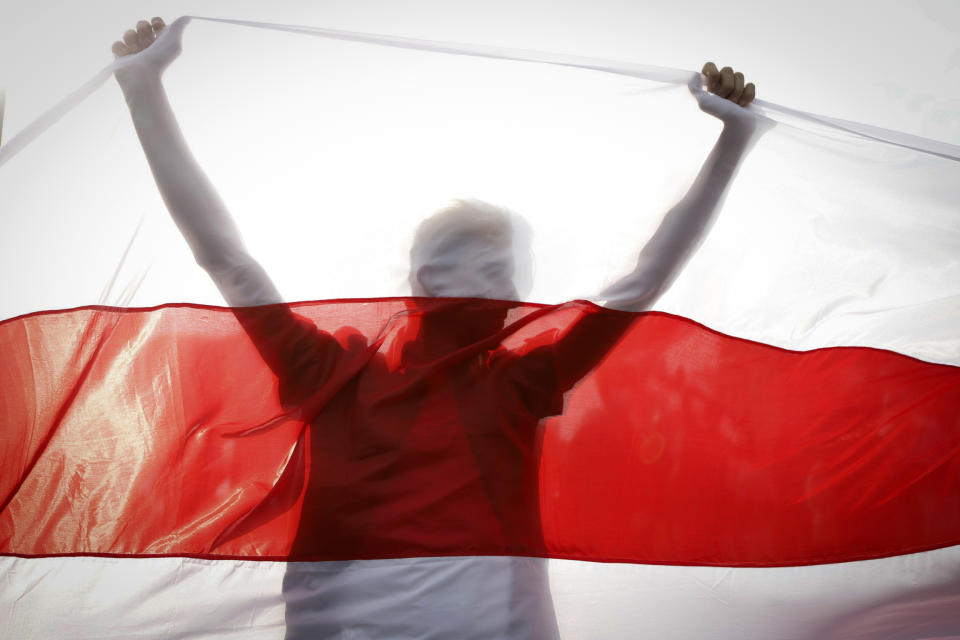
x: 149, y: 48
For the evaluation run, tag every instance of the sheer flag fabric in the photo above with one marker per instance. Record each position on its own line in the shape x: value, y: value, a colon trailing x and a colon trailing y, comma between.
x: 771, y: 452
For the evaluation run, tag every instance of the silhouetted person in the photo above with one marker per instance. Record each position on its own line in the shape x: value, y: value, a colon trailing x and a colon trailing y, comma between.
x: 440, y: 396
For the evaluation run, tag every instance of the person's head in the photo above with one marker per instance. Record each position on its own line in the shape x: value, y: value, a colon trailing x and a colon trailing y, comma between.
x: 471, y: 249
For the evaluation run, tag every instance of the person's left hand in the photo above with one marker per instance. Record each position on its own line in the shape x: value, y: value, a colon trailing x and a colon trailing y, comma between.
x: 723, y: 94
x: 728, y: 84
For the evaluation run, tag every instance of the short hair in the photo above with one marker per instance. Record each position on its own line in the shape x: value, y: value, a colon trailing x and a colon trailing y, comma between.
x: 466, y: 219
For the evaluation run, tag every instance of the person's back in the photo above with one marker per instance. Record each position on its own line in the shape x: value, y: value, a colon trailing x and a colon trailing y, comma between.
x: 438, y: 396
x: 375, y: 452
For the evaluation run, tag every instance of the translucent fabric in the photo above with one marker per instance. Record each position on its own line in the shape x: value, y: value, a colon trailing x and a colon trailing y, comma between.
x: 771, y: 451
x: 329, y: 146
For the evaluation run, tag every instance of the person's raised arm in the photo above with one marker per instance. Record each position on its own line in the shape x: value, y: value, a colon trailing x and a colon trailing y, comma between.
x: 190, y: 197
x: 686, y: 224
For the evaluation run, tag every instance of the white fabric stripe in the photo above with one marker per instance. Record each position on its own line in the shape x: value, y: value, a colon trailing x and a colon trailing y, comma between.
x: 826, y: 238
x: 646, y: 72
x: 904, y: 596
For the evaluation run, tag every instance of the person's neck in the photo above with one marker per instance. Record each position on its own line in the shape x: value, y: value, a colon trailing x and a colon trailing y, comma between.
x: 444, y: 327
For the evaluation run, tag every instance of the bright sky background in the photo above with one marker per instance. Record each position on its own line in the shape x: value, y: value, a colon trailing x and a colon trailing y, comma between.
x: 891, y: 63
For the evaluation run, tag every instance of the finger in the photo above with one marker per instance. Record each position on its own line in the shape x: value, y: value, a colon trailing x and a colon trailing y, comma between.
x: 749, y: 93
x: 726, y: 82
x: 712, y: 73
x: 737, y: 88
x: 119, y: 49
x: 158, y: 24
x: 145, y: 34
x: 132, y: 41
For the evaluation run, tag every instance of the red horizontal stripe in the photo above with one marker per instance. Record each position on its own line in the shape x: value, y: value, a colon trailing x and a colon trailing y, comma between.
x: 161, y: 432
